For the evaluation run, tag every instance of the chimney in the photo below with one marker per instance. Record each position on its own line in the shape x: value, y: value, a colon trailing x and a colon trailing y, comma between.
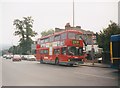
x: 57, y: 29
x: 67, y: 26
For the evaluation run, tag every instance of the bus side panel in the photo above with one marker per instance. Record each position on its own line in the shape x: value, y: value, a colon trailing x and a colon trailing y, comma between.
x: 63, y: 58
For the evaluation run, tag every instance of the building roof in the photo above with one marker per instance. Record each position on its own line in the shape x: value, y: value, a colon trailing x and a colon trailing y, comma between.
x: 68, y: 27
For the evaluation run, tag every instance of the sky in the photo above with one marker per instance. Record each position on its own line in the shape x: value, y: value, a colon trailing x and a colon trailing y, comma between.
x: 93, y: 15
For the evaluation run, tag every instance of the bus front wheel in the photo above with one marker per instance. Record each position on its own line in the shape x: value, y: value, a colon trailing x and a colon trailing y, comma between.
x: 57, y: 61
x: 70, y: 65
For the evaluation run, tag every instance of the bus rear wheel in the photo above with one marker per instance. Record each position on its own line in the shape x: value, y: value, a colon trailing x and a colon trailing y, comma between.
x: 70, y: 65
x: 41, y: 61
x: 57, y: 61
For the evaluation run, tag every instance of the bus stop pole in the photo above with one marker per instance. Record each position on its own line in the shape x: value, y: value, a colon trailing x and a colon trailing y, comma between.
x: 92, y: 51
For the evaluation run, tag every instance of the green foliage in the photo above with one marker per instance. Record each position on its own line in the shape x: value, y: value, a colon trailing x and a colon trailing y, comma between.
x: 23, y: 28
x: 15, y: 49
x: 45, y: 33
x: 103, y: 38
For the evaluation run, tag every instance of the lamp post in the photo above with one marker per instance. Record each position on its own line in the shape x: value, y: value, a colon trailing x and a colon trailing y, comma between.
x: 73, y: 13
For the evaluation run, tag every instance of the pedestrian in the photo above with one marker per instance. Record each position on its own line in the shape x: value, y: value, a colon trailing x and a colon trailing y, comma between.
x: 93, y: 55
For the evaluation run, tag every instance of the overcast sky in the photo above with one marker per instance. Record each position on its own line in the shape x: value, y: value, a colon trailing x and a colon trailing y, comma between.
x: 93, y: 15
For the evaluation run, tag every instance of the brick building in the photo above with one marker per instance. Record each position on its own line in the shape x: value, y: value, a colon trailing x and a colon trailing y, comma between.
x: 87, y: 35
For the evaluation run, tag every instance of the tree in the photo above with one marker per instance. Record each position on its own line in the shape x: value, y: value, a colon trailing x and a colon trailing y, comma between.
x: 45, y: 33
x: 103, y: 38
x: 24, y: 31
x: 19, y: 26
x: 15, y: 49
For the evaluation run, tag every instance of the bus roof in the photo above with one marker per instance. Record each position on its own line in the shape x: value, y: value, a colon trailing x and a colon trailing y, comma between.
x: 115, y: 37
x: 75, y: 31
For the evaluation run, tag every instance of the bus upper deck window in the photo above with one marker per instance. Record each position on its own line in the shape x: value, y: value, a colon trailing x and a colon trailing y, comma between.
x: 78, y: 37
x: 51, y: 38
x: 71, y: 35
x: 57, y: 37
x: 46, y: 40
x: 64, y: 36
x: 41, y: 41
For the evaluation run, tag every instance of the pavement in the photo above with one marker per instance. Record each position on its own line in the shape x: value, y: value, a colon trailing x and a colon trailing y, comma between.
x: 90, y: 64
x: 0, y: 72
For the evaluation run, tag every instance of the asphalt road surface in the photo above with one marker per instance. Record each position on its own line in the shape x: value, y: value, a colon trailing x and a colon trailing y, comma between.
x: 32, y: 73
x: 0, y: 72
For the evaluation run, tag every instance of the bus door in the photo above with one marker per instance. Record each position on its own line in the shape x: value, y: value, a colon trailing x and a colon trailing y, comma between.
x: 63, y: 55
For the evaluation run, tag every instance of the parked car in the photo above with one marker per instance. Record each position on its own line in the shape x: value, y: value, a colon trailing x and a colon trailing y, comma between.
x: 24, y: 57
x: 4, y: 56
x: 31, y: 57
x: 9, y: 56
x: 16, y: 58
x: 99, y: 60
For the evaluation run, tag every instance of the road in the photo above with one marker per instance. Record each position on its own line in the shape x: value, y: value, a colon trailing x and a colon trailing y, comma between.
x: 32, y: 73
x: 0, y: 72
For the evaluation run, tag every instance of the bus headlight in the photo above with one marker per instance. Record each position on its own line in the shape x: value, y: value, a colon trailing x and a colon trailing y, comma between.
x: 69, y: 59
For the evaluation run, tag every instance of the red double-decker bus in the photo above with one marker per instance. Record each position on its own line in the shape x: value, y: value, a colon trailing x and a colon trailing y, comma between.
x: 64, y: 47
